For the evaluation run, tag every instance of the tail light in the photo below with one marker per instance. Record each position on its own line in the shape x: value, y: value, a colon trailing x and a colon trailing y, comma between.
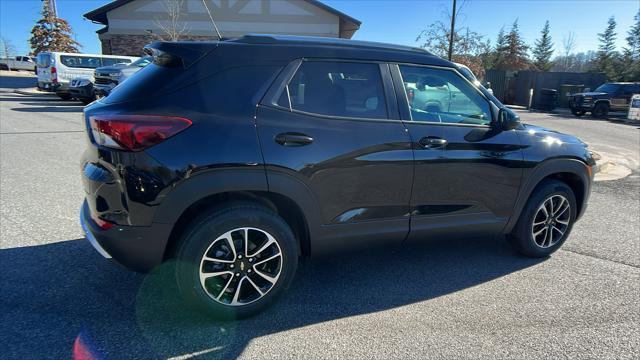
x: 135, y: 132
x: 103, y: 224
x: 54, y: 74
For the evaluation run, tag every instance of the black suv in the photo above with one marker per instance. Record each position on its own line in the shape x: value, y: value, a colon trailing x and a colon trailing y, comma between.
x: 607, y: 97
x: 235, y: 158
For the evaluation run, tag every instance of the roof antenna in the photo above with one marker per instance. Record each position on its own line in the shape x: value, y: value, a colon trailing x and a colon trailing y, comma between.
x: 204, y: 2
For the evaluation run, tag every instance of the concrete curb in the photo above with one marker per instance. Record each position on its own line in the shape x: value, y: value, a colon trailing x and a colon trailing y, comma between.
x: 606, y: 169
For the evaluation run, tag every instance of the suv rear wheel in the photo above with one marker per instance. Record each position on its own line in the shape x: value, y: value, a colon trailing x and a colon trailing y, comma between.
x: 234, y: 262
x: 546, y: 220
x: 601, y: 110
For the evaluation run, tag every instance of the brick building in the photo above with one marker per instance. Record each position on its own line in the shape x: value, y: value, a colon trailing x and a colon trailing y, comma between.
x: 131, y: 24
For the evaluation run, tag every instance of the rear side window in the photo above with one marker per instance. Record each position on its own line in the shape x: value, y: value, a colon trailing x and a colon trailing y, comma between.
x: 343, y: 89
x: 83, y: 62
x: 109, y: 62
x: 631, y: 89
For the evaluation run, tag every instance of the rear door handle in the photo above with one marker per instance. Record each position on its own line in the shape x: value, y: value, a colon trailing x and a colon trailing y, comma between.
x: 293, y: 139
x: 432, y: 142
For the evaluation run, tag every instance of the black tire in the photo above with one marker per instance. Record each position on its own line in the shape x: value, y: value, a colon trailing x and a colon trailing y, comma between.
x: 601, y: 110
x: 202, y: 233
x: 86, y: 101
x: 577, y: 113
x: 65, y: 97
x: 522, y: 239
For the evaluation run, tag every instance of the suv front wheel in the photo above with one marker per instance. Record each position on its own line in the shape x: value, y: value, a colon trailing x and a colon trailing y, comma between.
x: 546, y: 220
x: 234, y: 262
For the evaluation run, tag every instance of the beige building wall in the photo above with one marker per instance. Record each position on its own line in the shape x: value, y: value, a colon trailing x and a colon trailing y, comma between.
x: 135, y: 24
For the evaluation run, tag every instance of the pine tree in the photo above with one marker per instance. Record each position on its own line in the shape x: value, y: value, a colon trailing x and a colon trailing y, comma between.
x: 501, y: 44
x: 631, y: 53
x: 543, y: 49
x: 514, y: 51
x: 51, y: 33
x: 607, y: 54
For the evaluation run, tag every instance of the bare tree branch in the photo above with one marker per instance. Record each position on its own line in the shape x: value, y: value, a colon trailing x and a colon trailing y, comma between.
x: 568, y: 45
x: 173, y: 26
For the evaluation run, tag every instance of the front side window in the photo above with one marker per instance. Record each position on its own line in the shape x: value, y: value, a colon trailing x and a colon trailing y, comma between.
x: 440, y: 95
x: 343, y: 89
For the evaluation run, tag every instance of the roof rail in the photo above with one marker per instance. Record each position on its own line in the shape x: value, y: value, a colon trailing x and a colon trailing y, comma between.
x: 318, y: 40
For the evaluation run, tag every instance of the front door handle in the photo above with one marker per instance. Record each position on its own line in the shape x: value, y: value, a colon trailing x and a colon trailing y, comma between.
x: 293, y: 139
x: 432, y: 142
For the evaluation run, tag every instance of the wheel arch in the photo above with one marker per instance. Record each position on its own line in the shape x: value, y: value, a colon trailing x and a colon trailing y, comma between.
x: 222, y: 187
x: 575, y: 173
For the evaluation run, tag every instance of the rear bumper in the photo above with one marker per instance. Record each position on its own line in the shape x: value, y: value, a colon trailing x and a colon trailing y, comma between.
x: 137, y: 248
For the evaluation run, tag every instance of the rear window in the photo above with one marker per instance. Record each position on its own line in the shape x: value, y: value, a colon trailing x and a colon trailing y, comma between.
x: 83, y: 62
x: 43, y: 60
x: 343, y: 89
x: 109, y: 62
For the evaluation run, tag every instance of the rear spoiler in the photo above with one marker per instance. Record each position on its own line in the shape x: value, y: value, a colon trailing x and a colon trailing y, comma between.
x: 178, y: 54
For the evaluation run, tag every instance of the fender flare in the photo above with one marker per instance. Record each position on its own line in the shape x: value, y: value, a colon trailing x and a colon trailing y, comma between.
x: 542, y: 171
x: 218, y: 181
x: 205, y: 184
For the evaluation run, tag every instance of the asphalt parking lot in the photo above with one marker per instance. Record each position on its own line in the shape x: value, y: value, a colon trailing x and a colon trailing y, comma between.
x: 473, y: 298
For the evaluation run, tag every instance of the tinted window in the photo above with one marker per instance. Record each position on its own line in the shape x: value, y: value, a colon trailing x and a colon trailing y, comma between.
x: 44, y: 60
x: 631, y: 89
x: 109, y: 62
x: 143, y: 61
x: 84, y: 62
x: 607, y: 88
x: 337, y: 89
x: 439, y: 95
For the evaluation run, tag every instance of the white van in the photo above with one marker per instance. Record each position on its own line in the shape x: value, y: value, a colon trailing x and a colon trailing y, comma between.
x: 56, y: 70
x: 634, y: 108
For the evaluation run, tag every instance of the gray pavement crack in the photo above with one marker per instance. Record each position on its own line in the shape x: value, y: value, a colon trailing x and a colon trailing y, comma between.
x: 601, y: 258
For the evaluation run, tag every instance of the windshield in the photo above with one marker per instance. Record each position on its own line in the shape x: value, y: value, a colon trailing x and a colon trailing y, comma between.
x: 143, y: 61
x: 607, y: 88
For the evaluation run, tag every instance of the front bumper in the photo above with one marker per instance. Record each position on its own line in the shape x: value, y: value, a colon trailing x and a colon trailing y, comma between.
x: 137, y: 248
x: 580, y: 106
x: 82, y: 92
x: 104, y: 89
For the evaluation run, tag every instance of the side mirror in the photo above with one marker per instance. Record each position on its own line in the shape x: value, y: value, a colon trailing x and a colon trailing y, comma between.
x: 507, y: 119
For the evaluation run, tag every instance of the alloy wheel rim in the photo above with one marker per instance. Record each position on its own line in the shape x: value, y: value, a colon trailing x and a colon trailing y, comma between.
x: 551, y: 221
x: 240, y: 266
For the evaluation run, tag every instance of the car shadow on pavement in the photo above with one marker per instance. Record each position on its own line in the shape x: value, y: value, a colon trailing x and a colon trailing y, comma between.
x: 60, y: 108
x: 64, y: 297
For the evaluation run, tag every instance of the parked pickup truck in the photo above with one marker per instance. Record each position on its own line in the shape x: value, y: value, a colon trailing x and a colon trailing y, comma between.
x: 604, y: 99
x: 18, y: 63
